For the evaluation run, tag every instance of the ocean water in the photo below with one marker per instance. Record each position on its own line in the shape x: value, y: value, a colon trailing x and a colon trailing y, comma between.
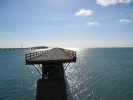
x: 98, y: 74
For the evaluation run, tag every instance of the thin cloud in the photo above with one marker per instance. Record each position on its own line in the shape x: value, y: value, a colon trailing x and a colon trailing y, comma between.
x: 48, y: 27
x: 124, y: 21
x: 37, y: 32
x: 84, y: 12
x: 111, y: 2
x: 92, y: 23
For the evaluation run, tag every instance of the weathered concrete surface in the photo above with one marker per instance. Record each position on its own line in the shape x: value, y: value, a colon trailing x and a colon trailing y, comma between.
x: 55, y: 54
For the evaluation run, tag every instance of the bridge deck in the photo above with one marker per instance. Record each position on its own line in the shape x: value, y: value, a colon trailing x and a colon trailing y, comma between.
x: 53, y: 55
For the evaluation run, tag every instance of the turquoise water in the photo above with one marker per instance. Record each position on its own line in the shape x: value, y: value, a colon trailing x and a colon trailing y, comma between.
x: 98, y: 74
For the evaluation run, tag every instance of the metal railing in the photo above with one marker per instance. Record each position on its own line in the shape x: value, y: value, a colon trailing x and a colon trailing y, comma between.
x: 71, y: 52
x: 35, y: 54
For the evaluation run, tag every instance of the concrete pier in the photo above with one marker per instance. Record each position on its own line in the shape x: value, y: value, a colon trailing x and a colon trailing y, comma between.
x: 51, y: 90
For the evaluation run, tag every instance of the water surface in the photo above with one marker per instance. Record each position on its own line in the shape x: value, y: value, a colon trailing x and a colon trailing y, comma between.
x: 98, y: 74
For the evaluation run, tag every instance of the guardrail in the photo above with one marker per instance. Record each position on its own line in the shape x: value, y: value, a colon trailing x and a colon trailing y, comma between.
x: 71, y: 52
x: 35, y: 54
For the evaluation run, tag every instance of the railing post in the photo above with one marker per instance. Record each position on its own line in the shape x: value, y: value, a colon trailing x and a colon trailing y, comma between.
x: 33, y: 54
x: 36, y: 53
x: 30, y: 55
x: 25, y: 56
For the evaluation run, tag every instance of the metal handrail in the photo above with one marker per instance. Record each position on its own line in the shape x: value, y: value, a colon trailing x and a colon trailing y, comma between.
x: 35, y: 54
x: 73, y: 53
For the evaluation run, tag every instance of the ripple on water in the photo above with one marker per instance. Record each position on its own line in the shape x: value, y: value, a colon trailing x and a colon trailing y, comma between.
x: 98, y: 74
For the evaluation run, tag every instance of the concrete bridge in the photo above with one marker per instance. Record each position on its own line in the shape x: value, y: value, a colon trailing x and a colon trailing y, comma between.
x: 20, y: 49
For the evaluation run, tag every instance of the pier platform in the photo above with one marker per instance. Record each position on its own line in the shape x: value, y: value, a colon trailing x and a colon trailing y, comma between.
x: 52, y: 63
x: 51, y: 56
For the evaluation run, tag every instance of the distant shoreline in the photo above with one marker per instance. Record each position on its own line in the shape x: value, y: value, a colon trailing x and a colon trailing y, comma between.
x: 28, y: 48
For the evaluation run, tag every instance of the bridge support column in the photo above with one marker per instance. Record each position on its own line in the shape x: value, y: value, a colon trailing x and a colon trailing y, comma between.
x: 52, y: 85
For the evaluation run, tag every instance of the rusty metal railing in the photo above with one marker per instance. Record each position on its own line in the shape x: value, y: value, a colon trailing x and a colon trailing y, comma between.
x: 71, y: 52
x: 35, y: 54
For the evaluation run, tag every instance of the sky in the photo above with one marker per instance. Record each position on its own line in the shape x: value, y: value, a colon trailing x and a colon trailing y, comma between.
x: 66, y: 23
